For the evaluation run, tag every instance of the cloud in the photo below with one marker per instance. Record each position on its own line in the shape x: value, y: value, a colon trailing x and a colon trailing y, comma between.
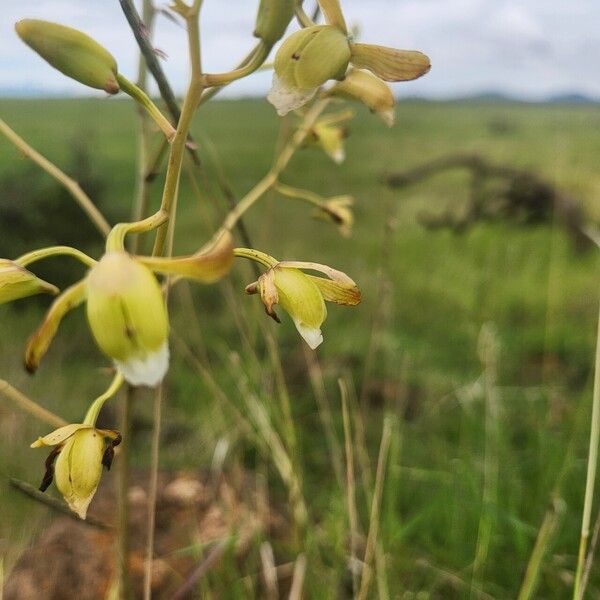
x: 532, y: 47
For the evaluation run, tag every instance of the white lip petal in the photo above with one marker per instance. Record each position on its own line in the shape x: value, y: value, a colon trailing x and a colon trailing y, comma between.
x: 388, y: 116
x: 312, y: 336
x: 285, y: 99
x: 80, y: 505
x: 148, y: 370
x: 338, y: 155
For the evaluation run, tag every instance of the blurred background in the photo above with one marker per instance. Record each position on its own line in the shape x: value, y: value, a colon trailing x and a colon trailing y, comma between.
x: 472, y: 350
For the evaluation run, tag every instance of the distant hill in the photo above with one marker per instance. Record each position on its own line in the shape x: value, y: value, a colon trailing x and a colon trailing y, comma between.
x: 483, y: 97
x: 572, y: 98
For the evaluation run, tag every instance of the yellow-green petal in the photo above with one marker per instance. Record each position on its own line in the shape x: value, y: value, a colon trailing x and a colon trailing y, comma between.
x: 17, y: 282
x: 390, y: 64
x: 207, y: 266
x: 78, y: 469
x: 302, y: 300
x: 38, y: 343
x: 58, y: 436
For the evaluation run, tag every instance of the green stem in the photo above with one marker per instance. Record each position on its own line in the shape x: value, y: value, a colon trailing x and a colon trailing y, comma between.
x: 67, y: 182
x: 115, y: 242
x: 142, y: 98
x: 164, y: 240
x: 35, y: 255
x: 591, y: 475
x: 303, y: 19
x: 259, y: 56
x: 190, y: 104
x: 94, y: 410
x: 281, y: 162
x: 299, y: 194
x: 256, y: 256
x: 213, y: 91
x: 29, y: 406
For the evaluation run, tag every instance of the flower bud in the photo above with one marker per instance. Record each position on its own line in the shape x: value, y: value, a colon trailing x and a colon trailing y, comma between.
x: 305, y: 61
x: 370, y: 90
x: 71, y: 52
x: 302, y: 295
x: 301, y: 299
x: 82, y: 452
x: 272, y: 19
x: 128, y: 317
x: 339, y: 211
x: 331, y: 140
x: 78, y: 469
x: 17, y: 282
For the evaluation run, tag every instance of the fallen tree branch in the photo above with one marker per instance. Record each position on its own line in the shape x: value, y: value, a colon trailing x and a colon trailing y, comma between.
x: 498, y: 192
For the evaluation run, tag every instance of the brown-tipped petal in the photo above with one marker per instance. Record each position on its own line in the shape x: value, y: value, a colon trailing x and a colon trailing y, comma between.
x: 388, y: 63
x: 39, y: 342
x: 209, y: 264
x: 251, y: 288
x: 338, y: 210
x: 58, y: 436
x: 49, y: 473
x: 339, y: 288
x: 268, y: 293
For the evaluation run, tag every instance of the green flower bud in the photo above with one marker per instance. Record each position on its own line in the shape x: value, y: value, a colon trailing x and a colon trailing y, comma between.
x: 128, y: 318
x: 272, y: 19
x: 71, y: 52
x: 305, y: 61
x: 17, y: 282
x: 331, y: 140
x: 370, y: 90
x: 302, y: 295
x: 82, y: 452
x: 338, y: 210
x: 79, y: 468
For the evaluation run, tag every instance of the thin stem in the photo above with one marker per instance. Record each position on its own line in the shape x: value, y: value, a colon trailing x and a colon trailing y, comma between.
x: 153, y: 489
x: 281, y: 162
x: 139, y: 210
x: 256, y: 256
x: 42, y: 253
x: 303, y: 19
x: 164, y: 236
x: 591, y: 475
x: 384, y: 448
x: 69, y: 184
x: 94, y: 410
x: 115, y: 242
x: 29, y: 406
x: 144, y: 100
x: 545, y: 536
x: 259, y: 56
x: 187, y: 112
x: 140, y: 205
x: 299, y: 194
x: 123, y: 495
x: 350, y: 482
x: 213, y: 91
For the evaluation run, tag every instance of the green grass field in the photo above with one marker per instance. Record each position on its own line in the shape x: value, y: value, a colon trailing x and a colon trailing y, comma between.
x: 473, y: 468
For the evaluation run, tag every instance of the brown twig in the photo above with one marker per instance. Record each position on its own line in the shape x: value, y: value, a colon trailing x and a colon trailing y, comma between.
x: 55, y: 504
x: 524, y: 197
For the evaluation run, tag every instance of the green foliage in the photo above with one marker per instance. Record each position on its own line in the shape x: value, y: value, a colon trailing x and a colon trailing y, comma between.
x: 439, y: 289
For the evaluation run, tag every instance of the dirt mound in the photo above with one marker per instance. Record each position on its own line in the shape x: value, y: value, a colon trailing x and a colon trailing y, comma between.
x: 72, y: 559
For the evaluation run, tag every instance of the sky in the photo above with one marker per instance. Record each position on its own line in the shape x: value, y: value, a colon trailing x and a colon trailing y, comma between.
x: 530, y: 49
